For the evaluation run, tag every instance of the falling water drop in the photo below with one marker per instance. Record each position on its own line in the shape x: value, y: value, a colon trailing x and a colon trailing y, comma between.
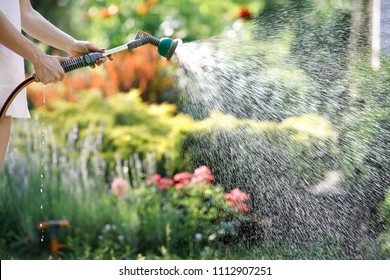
x: 42, y: 163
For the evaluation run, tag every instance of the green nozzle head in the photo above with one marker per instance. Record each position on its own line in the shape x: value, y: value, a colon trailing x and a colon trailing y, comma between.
x: 167, y: 47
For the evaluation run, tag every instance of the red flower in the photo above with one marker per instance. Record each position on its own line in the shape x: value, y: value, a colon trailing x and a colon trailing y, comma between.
x: 236, y: 195
x: 162, y: 183
x: 179, y: 186
x: 243, y: 208
x: 244, y: 13
x: 236, y: 198
x: 202, y: 174
x: 182, y: 179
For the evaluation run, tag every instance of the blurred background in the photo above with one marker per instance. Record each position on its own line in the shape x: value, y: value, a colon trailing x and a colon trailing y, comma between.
x: 303, y: 100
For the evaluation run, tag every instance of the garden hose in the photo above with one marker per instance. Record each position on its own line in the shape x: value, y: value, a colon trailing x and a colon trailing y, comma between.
x: 165, y: 47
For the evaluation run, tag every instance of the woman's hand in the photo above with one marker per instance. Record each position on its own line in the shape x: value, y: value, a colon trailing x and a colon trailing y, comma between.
x: 48, y: 69
x: 79, y: 48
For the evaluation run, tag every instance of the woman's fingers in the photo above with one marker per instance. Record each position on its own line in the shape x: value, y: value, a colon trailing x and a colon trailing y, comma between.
x: 49, y: 69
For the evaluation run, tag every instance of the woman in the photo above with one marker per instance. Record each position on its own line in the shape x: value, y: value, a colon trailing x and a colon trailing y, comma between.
x: 17, y: 15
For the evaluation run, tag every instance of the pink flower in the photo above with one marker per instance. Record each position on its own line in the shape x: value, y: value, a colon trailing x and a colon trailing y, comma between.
x: 236, y: 198
x: 182, y: 179
x: 119, y: 186
x: 202, y: 174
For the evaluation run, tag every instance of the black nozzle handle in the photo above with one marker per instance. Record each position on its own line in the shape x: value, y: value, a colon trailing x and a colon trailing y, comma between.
x: 82, y: 61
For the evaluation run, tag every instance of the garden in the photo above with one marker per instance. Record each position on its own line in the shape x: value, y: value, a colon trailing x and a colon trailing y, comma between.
x: 266, y: 136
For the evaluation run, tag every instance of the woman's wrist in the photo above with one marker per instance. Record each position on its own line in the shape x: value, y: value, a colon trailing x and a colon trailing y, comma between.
x: 71, y: 46
x: 36, y: 55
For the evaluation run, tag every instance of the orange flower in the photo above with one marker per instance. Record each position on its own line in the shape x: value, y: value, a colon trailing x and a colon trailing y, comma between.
x: 152, y: 2
x: 103, y: 13
x: 244, y: 13
x: 143, y: 9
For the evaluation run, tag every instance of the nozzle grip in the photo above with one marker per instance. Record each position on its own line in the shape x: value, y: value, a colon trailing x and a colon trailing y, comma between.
x: 82, y: 61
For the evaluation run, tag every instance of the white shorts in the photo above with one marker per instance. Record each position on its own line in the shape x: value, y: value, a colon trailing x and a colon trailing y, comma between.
x: 12, y: 67
x: 18, y: 107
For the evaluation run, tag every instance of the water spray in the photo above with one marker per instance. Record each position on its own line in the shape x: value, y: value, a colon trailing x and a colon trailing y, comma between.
x: 165, y: 47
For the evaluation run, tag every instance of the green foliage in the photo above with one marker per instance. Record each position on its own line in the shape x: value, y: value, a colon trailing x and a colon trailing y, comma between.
x: 364, y: 142
x: 111, y: 22
x: 128, y: 126
x: 384, y: 238
x: 189, y: 20
x: 208, y: 217
x: 367, y: 128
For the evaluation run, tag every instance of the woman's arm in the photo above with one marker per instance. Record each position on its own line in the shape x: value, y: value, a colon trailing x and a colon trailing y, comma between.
x: 14, y: 40
x: 38, y: 27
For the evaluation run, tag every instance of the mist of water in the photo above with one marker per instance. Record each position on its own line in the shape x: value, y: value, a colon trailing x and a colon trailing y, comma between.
x: 252, y: 73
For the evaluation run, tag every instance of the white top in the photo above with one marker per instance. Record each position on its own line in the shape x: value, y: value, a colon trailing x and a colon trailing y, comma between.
x: 12, y: 66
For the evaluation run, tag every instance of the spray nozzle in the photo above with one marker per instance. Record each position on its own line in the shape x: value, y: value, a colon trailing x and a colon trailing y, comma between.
x: 165, y: 46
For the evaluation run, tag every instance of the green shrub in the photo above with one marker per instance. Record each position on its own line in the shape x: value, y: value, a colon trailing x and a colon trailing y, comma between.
x: 128, y: 126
